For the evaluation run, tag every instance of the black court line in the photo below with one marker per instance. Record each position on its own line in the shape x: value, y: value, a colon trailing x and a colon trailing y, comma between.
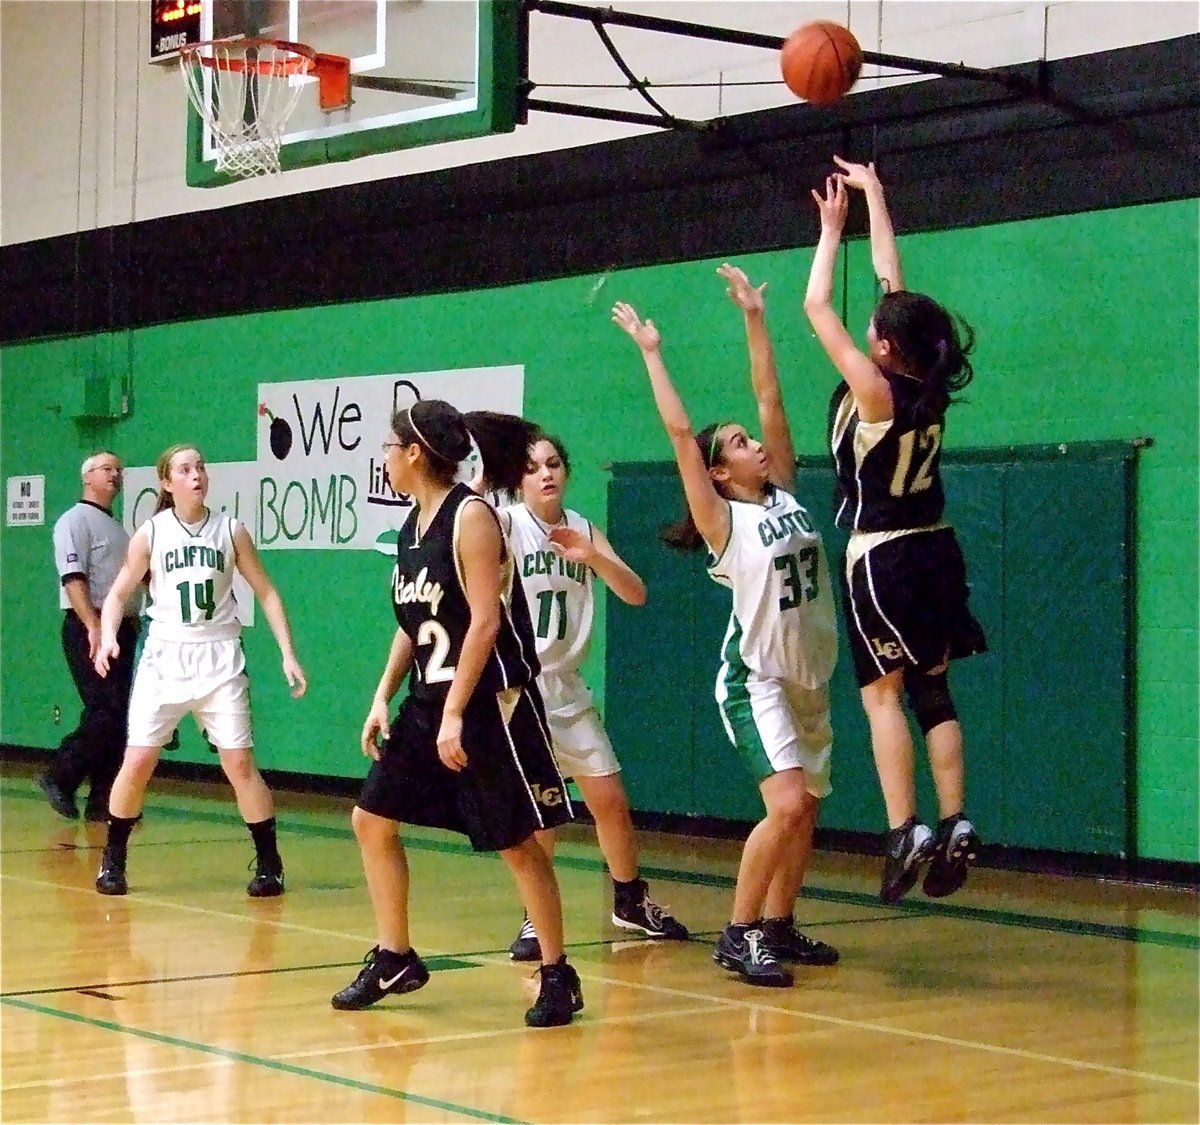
x: 433, y: 964
x: 1072, y: 926
x: 68, y: 847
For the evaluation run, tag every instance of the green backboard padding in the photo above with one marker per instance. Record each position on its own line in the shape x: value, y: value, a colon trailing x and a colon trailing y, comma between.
x: 1045, y: 713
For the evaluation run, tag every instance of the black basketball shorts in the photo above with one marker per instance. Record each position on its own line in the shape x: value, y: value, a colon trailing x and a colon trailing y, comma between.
x: 906, y: 604
x: 509, y: 788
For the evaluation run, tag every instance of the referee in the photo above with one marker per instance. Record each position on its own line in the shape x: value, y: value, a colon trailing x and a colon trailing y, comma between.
x: 89, y: 549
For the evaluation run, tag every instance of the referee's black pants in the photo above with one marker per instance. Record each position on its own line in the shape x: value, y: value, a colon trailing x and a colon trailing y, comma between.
x: 94, y: 749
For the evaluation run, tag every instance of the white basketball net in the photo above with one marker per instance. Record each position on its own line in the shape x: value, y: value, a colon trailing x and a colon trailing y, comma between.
x: 254, y: 89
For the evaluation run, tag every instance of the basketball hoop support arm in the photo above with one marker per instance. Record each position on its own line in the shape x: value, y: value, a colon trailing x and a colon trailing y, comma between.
x: 768, y: 42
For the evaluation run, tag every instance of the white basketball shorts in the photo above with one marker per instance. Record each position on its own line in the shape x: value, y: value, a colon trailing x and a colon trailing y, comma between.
x: 206, y: 678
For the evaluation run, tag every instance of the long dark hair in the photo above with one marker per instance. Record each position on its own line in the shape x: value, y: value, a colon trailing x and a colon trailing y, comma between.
x: 444, y: 433
x: 683, y: 534
x: 559, y: 448
x: 932, y: 343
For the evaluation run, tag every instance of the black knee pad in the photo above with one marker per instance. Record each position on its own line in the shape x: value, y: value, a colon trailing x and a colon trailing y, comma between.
x: 929, y: 698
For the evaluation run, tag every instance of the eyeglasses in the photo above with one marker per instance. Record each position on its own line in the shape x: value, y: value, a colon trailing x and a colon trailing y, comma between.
x: 106, y: 469
x: 391, y: 445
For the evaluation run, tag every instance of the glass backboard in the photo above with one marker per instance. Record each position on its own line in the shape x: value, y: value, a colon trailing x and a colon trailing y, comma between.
x: 422, y: 71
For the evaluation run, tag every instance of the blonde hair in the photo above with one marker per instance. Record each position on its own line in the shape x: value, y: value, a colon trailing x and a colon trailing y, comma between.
x: 162, y: 468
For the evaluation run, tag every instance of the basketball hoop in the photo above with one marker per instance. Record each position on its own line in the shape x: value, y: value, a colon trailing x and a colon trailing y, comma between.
x: 255, y: 88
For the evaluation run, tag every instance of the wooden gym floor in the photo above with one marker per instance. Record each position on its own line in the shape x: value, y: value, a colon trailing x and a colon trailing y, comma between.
x: 1020, y: 999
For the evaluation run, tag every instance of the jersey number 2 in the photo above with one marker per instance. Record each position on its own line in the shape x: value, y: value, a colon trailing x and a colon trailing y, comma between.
x: 436, y: 670
x: 201, y: 593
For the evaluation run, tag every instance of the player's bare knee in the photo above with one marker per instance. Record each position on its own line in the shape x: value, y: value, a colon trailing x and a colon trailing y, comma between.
x: 929, y: 698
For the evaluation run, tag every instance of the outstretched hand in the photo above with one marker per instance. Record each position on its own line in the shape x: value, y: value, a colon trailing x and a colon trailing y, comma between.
x: 861, y: 176
x: 741, y: 292
x: 833, y: 205
x: 644, y: 334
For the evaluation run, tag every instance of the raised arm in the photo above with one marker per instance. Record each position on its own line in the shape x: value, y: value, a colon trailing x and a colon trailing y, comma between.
x: 885, y: 256
x: 764, y: 377
x: 710, y: 510
x: 137, y: 562
x: 871, y: 392
x: 251, y: 568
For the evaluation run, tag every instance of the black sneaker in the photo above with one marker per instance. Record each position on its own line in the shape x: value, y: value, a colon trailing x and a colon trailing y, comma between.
x: 96, y: 809
x: 646, y: 915
x: 955, y: 846
x: 383, y: 972
x: 751, y: 958
x: 111, y: 880
x: 560, y: 996
x: 526, y: 947
x: 267, y: 881
x: 908, y: 847
x: 789, y: 944
x: 60, y: 800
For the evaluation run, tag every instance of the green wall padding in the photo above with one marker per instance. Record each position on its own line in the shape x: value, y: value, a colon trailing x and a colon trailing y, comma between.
x: 1044, y: 712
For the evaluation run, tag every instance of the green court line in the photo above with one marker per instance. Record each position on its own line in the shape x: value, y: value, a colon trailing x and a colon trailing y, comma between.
x: 919, y: 907
x: 433, y: 964
x: 267, y: 1063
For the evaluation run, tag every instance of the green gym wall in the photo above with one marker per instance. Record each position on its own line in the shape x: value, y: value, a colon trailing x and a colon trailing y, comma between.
x: 1087, y: 331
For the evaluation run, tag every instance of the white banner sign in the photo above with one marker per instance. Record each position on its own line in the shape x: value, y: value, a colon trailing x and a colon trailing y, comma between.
x: 26, y: 501
x: 232, y: 488
x: 322, y: 483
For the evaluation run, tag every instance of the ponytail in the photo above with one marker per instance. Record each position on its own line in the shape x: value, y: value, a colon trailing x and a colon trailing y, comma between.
x: 503, y: 441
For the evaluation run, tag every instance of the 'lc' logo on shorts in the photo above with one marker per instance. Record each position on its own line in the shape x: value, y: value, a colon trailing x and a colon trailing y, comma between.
x: 549, y: 797
x: 886, y: 648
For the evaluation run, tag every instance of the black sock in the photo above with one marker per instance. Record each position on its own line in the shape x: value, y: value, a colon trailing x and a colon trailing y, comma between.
x: 119, y: 828
x: 628, y: 893
x: 265, y: 845
x: 740, y: 929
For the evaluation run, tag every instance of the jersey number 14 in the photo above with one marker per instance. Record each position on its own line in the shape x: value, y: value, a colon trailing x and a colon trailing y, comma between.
x: 196, y: 597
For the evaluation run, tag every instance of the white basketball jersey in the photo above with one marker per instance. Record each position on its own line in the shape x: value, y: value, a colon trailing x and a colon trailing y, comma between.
x: 191, y: 578
x: 783, y: 623
x: 559, y: 592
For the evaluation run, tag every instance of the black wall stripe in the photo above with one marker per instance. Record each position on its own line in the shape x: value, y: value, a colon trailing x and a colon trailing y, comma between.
x: 954, y: 153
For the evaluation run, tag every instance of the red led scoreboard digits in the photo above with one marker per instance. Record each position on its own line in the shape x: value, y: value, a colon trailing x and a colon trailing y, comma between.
x: 173, y: 23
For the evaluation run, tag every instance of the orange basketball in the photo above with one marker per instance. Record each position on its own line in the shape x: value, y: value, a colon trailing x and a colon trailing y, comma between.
x: 820, y: 61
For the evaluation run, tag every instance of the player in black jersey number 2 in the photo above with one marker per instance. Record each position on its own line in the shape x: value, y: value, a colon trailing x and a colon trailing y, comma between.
x: 469, y: 749
x: 905, y: 583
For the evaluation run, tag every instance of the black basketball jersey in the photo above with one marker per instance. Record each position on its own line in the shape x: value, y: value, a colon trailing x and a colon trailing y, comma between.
x: 431, y: 606
x: 888, y: 473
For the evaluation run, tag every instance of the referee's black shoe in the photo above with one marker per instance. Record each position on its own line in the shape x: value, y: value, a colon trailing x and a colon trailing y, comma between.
x: 60, y: 800
x: 384, y: 972
x: 111, y: 880
x: 560, y: 996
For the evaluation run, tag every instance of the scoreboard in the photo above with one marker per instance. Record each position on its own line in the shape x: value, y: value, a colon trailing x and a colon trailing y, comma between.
x: 173, y: 23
